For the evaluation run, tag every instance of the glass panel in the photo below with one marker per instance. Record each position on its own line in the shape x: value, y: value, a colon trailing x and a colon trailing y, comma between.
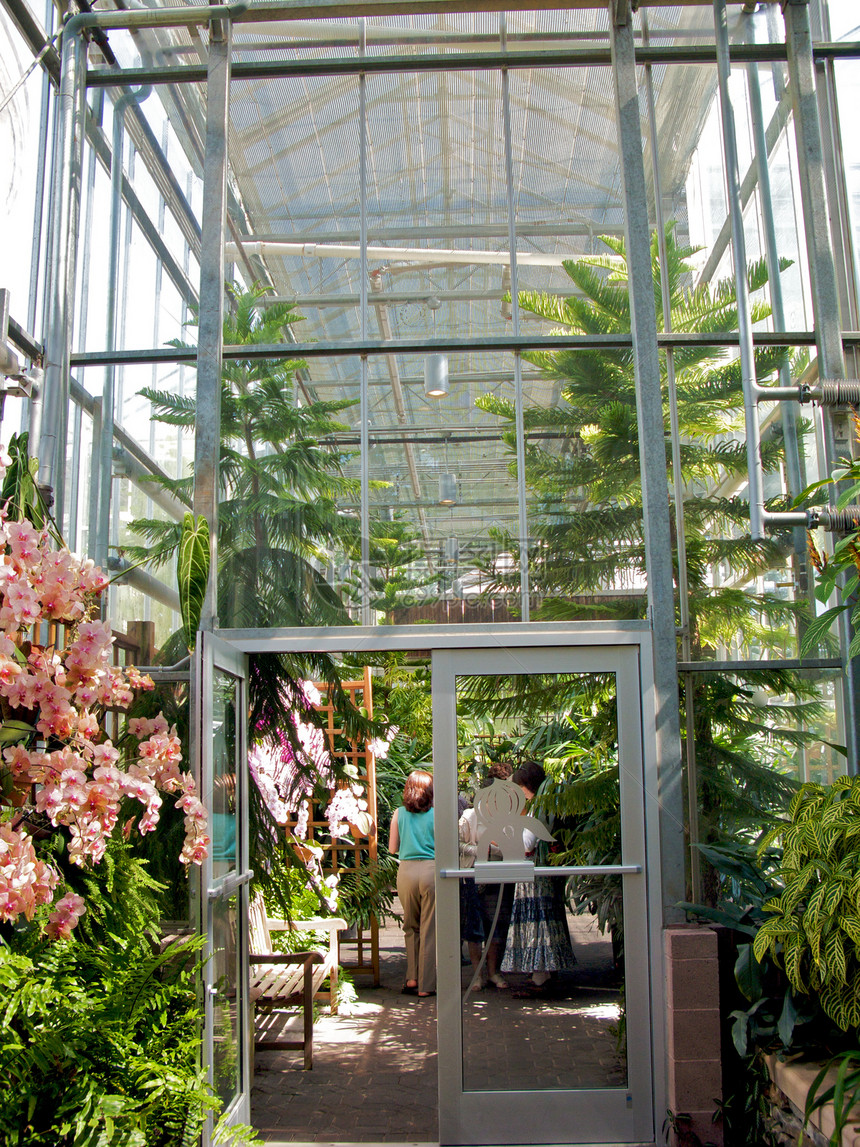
x: 289, y: 518
x: 224, y: 966
x: 565, y: 180
x: 667, y: 26
x: 444, y: 509
x: 582, y: 485
x: 538, y: 761
x: 400, y: 35
x: 224, y: 822
x: 847, y: 75
x: 437, y: 199
x: 157, y: 275
x: 294, y: 150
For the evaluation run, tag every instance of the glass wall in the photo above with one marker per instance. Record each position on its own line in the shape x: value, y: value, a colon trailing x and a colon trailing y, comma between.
x: 425, y: 222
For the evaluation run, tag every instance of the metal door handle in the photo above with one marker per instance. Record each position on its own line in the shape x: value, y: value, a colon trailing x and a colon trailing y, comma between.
x: 230, y: 884
x: 557, y: 870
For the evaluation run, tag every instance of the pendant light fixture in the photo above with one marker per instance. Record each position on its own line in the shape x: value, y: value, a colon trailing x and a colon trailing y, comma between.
x: 435, y: 365
x: 436, y: 375
x: 447, y: 489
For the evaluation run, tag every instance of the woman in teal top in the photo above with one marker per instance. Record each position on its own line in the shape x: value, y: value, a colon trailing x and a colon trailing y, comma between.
x: 412, y: 837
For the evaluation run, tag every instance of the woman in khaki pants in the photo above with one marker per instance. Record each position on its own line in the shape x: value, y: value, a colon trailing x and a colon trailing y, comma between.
x: 412, y: 837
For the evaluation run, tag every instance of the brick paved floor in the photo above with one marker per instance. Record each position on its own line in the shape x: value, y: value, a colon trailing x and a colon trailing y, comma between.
x: 374, y: 1074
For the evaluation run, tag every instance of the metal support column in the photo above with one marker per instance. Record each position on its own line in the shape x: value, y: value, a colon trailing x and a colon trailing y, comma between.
x: 825, y: 292
x: 755, y: 477
x: 50, y: 413
x: 522, y: 511
x: 652, y: 456
x: 102, y: 478
x: 365, y: 612
x: 207, y: 440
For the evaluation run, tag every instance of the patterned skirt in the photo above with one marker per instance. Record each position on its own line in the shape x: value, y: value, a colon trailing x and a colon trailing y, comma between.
x: 538, y: 936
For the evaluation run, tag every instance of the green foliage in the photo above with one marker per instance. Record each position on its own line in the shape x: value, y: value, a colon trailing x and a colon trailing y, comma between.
x: 99, y: 1037
x: 585, y: 489
x: 280, y: 483
x: 20, y: 494
x: 843, y: 1093
x: 192, y: 571
x: 813, y: 926
x: 368, y: 891
x: 838, y: 573
x: 776, y: 1016
x: 397, y: 557
x: 287, y: 884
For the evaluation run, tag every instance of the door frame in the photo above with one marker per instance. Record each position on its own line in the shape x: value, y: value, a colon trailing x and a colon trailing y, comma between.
x: 212, y: 655
x: 506, y: 1115
x: 509, y: 636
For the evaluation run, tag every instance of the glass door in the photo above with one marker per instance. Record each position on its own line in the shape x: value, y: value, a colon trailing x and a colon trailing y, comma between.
x: 222, y: 711
x: 543, y: 939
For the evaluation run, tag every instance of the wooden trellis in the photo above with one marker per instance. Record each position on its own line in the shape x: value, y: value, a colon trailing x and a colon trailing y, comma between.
x: 359, y: 952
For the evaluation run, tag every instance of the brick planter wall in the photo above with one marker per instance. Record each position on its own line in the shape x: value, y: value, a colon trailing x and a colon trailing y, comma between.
x: 693, y: 1028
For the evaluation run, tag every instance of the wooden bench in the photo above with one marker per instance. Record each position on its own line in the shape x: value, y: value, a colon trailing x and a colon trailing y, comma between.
x: 280, y: 980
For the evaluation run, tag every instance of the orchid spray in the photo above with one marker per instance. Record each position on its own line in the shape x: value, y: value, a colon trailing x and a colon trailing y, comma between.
x: 59, y: 772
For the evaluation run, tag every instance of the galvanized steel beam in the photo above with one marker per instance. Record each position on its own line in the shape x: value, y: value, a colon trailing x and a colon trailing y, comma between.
x: 755, y: 477
x: 207, y: 439
x: 825, y: 291
x: 49, y: 413
x: 357, y: 347
x: 459, y: 61
x: 654, y: 476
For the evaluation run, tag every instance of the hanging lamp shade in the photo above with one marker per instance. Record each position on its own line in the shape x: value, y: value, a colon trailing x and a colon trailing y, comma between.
x: 451, y: 550
x: 447, y: 489
x: 436, y: 375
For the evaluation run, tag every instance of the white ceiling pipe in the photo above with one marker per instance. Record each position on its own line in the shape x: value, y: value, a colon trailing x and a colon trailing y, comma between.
x: 393, y: 254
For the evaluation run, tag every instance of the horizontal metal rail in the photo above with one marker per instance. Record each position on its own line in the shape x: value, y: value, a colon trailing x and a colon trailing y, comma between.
x: 511, y: 343
x: 811, y: 663
x: 455, y: 62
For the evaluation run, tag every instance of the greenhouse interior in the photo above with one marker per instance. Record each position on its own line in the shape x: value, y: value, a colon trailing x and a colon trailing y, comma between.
x: 423, y: 389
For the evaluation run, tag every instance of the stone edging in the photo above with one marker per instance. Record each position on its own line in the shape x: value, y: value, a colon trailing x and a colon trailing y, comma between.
x: 794, y: 1078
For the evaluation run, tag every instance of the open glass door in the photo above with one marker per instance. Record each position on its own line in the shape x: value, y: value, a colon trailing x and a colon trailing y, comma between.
x: 566, y: 1059
x: 222, y: 716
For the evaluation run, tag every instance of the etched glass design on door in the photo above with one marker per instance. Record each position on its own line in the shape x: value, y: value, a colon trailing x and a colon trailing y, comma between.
x: 542, y: 984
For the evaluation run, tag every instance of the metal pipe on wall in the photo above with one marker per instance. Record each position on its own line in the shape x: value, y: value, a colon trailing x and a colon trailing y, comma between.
x: 788, y: 414
x: 49, y: 414
x: 739, y: 262
x: 825, y: 293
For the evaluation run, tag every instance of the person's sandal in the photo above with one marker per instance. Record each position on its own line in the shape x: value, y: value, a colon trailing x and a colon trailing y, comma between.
x: 498, y: 982
x: 409, y: 990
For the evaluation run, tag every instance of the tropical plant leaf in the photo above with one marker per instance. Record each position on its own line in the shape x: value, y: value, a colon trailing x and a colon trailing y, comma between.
x: 193, y: 573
